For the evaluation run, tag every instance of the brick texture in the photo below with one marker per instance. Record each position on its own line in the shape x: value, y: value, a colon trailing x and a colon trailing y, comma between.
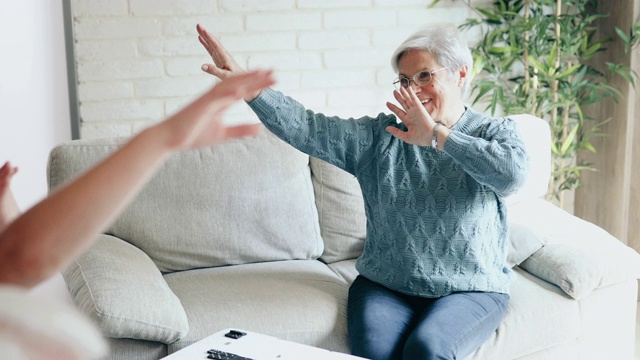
x: 138, y: 61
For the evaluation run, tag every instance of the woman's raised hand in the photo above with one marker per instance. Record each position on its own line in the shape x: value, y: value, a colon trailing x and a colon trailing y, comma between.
x: 413, y: 114
x: 223, y: 65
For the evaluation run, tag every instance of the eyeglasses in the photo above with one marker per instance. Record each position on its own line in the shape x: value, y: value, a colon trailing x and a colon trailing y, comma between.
x: 421, y: 78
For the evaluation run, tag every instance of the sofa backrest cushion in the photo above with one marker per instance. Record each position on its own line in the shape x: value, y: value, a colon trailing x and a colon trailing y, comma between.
x: 537, y: 138
x: 343, y: 223
x: 245, y: 201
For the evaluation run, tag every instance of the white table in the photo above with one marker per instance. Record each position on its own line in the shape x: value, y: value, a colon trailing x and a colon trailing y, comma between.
x: 256, y: 346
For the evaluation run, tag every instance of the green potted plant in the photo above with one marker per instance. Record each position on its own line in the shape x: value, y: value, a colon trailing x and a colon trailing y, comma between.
x: 533, y: 57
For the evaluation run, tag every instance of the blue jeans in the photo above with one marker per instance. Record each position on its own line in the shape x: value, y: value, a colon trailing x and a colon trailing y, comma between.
x: 385, y: 324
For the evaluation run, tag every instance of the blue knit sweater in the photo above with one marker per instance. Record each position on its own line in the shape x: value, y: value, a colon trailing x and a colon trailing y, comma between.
x: 436, y: 221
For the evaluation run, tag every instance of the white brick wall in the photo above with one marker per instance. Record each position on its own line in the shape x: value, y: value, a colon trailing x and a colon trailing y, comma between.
x: 138, y: 61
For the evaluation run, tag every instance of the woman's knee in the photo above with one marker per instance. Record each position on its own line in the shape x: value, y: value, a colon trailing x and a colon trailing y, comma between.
x: 429, y: 346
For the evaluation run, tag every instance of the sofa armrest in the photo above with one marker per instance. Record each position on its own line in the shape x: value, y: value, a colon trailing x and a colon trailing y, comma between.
x: 578, y: 256
x: 122, y: 290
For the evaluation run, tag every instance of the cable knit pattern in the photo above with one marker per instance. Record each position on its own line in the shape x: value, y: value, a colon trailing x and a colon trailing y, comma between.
x: 436, y: 221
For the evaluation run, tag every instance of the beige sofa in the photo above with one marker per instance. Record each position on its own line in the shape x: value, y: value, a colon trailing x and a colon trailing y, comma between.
x: 256, y: 235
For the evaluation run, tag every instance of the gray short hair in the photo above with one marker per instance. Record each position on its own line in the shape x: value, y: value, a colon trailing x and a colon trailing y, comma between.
x: 443, y: 41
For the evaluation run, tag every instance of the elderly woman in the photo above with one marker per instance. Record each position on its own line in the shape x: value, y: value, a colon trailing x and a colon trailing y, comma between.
x: 433, y: 282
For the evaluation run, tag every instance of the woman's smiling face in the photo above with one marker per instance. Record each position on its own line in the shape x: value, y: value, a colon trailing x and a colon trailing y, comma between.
x: 442, y: 97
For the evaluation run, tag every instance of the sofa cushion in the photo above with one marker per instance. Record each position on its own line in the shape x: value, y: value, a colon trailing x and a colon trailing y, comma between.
x: 297, y: 300
x: 609, y: 322
x: 536, y: 134
x: 204, y: 207
x: 533, y: 305
x: 345, y: 269
x: 343, y: 223
x: 139, y: 306
x: 125, y: 349
x: 578, y: 256
x: 578, y: 269
x: 540, y: 316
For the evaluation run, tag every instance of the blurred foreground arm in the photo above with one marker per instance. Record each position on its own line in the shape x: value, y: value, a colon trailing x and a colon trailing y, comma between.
x: 48, y: 236
x: 8, y: 207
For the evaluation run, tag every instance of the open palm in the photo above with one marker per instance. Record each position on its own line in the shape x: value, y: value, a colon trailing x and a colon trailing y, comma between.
x: 413, y: 114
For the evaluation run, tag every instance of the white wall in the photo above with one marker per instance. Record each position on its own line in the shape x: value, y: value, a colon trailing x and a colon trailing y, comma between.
x: 34, y: 106
x: 139, y: 60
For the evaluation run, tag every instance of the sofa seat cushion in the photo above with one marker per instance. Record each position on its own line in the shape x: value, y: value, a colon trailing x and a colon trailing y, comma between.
x: 534, y: 304
x: 202, y: 206
x: 578, y: 255
x: 125, y: 349
x: 345, y: 269
x: 540, y: 316
x: 296, y: 300
x: 124, y: 293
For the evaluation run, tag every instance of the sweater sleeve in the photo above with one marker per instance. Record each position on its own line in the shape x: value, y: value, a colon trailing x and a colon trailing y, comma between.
x: 496, y: 157
x: 342, y: 142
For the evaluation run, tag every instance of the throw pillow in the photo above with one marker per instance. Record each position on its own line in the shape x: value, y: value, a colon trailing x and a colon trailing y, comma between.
x: 523, y: 241
x: 578, y: 256
x: 123, y: 291
x: 579, y: 268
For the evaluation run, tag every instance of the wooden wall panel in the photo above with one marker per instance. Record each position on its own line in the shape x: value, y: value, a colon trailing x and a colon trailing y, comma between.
x: 610, y: 197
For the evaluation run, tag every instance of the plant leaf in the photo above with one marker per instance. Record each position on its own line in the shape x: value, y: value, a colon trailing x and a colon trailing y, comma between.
x: 568, y: 141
